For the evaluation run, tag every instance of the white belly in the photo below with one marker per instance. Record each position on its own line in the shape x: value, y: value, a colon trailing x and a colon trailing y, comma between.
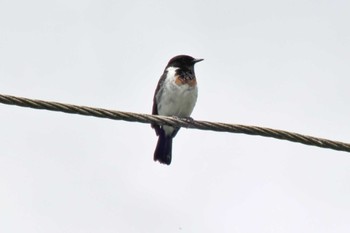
x: 176, y: 100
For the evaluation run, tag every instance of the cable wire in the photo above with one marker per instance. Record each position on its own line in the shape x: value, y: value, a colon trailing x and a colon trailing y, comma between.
x: 174, y: 121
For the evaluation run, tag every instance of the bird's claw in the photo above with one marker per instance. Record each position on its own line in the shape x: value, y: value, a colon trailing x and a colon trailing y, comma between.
x: 186, y: 119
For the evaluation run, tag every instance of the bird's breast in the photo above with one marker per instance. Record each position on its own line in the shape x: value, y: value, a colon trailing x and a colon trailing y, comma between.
x: 183, y: 80
x: 178, y: 96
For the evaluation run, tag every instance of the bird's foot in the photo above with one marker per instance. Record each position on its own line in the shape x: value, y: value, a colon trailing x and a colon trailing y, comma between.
x: 188, y: 120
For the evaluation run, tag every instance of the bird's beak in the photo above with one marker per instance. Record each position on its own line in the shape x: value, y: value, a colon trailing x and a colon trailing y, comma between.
x: 197, y: 60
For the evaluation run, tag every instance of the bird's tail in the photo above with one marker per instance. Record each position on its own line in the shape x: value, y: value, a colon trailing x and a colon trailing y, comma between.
x: 163, y: 149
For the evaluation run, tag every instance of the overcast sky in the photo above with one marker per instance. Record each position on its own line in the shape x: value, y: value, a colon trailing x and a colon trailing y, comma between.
x: 277, y: 64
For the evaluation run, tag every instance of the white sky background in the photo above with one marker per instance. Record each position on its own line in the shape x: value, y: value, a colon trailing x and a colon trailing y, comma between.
x: 278, y: 64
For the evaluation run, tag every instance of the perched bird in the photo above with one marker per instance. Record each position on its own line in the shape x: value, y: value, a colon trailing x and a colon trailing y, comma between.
x: 176, y: 95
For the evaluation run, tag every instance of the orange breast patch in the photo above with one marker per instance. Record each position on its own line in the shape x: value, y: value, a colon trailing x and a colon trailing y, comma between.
x: 182, y: 81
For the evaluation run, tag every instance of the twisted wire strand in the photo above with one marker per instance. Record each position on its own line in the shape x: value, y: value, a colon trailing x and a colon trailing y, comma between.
x: 178, y: 122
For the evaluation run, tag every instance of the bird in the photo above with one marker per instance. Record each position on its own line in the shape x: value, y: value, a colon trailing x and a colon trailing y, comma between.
x: 175, y: 96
